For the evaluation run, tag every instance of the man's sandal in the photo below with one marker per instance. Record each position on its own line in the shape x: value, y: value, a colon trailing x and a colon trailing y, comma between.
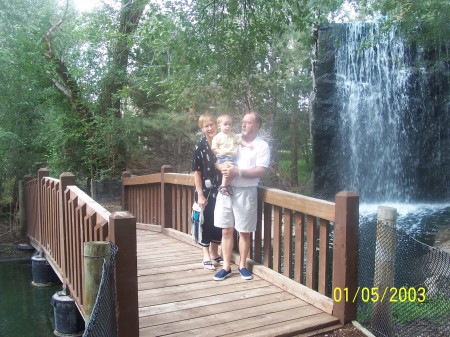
x: 208, y: 265
x: 219, y: 260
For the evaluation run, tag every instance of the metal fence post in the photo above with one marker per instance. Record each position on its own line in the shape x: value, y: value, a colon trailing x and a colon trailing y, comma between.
x: 166, y: 199
x: 25, y: 213
x: 125, y: 174
x: 22, y: 207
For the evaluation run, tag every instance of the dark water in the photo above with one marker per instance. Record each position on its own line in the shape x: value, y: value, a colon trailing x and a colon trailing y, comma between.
x: 25, y: 310
x: 421, y: 221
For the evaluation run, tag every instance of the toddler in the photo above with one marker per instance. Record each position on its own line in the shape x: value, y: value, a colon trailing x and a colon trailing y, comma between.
x: 225, y: 146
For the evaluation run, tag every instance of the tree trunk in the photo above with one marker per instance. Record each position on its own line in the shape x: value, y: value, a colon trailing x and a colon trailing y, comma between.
x: 116, y: 79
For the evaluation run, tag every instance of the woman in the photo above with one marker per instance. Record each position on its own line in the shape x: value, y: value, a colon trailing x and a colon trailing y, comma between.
x: 207, y: 179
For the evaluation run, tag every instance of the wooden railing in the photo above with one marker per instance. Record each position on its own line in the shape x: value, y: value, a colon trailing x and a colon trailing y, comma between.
x: 305, y: 245
x: 61, y: 218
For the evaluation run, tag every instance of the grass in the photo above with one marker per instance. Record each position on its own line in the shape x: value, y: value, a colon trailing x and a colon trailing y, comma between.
x: 434, y: 310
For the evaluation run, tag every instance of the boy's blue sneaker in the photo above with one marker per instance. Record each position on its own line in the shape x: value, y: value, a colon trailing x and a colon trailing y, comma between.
x: 245, y: 274
x: 222, y: 275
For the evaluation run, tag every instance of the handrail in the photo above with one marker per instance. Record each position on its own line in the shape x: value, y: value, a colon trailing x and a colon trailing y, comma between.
x: 61, y: 218
x: 296, y: 235
x: 84, y: 221
x: 298, y: 203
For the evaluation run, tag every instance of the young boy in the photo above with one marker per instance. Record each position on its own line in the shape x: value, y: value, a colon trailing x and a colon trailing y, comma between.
x: 225, y: 146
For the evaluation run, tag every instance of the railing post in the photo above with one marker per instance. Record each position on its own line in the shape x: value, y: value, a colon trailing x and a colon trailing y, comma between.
x: 345, y: 255
x: 42, y: 173
x: 65, y: 179
x: 95, y: 253
x: 125, y: 174
x: 122, y: 232
x: 166, y: 199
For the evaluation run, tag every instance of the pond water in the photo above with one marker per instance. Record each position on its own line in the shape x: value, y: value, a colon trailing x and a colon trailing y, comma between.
x: 25, y: 310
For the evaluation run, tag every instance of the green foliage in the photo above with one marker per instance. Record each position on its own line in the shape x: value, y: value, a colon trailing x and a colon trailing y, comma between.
x: 25, y: 89
x: 8, y: 191
x: 433, y: 310
x: 185, y: 59
x: 8, y: 195
x: 424, y: 22
x: 65, y: 141
x: 303, y: 172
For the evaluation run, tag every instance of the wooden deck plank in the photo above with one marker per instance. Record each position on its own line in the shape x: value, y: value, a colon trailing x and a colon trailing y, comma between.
x: 292, y: 327
x: 216, y: 299
x: 199, y: 293
x: 211, y: 310
x: 204, y: 322
x: 177, y: 297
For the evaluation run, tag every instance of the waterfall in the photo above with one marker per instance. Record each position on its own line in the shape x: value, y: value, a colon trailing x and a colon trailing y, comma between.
x: 380, y: 116
x: 374, y: 79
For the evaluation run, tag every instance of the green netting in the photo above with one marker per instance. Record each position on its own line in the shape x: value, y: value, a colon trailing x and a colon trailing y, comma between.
x: 404, y: 285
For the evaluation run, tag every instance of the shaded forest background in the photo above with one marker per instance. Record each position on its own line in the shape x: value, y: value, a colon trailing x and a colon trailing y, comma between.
x: 121, y: 87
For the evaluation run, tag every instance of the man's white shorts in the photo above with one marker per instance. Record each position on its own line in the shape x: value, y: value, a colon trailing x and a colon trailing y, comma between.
x: 238, y: 210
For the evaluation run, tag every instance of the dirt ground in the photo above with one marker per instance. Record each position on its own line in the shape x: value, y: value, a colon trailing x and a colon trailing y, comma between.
x: 347, y: 330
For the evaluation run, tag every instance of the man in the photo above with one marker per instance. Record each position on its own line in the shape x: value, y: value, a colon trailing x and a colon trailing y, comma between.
x: 239, y: 210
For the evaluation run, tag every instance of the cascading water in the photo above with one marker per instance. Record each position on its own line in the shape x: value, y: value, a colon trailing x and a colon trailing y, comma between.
x: 380, y: 116
x: 388, y: 100
x: 381, y: 129
x: 373, y: 74
x: 386, y: 115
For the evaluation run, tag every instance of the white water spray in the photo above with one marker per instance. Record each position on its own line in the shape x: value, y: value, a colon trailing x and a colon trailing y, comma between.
x: 373, y: 74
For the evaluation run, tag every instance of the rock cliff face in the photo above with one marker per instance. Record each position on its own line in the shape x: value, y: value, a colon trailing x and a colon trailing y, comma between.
x: 324, y: 117
x: 422, y: 121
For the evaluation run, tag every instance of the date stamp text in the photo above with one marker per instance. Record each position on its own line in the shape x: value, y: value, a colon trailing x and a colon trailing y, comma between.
x: 376, y: 294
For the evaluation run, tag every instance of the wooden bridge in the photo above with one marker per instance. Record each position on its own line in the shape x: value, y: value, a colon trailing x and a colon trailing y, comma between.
x: 303, y: 250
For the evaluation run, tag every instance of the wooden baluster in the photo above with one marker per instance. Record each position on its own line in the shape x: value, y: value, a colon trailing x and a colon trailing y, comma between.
x: 65, y: 179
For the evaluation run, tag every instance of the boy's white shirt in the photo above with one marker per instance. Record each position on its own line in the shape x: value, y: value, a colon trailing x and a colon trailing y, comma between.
x: 226, y: 141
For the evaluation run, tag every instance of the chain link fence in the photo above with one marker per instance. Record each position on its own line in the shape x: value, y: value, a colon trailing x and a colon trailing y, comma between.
x: 102, y: 321
x: 108, y: 193
x: 404, y: 285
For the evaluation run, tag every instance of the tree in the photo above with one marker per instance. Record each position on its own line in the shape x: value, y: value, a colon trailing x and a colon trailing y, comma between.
x: 26, y: 93
x: 101, y: 119
x: 424, y: 22
x: 113, y: 84
x: 228, y: 56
